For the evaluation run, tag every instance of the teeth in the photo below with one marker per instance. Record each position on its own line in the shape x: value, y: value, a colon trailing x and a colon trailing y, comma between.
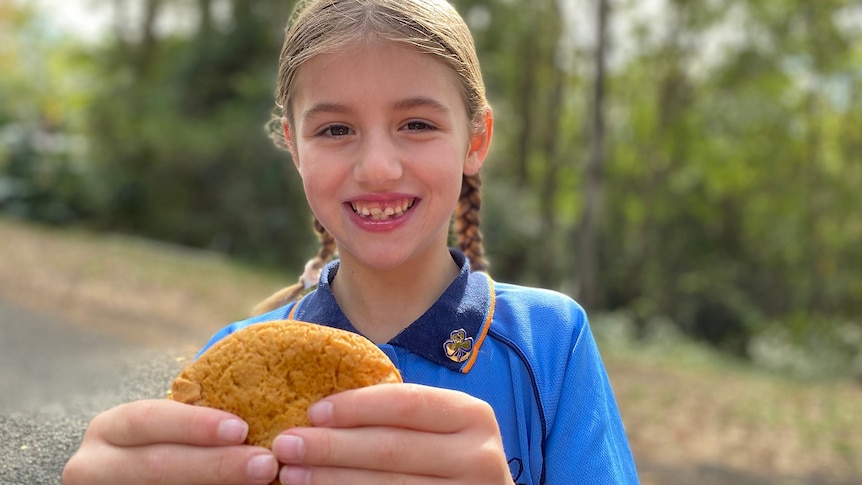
x: 378, y: 213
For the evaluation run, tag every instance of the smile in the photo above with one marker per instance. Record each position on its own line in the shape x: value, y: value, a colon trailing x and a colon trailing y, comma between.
x: 381, y: 211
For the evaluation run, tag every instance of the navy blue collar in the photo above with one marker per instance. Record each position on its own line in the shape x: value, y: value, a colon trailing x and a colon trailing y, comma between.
x: 448, y: 333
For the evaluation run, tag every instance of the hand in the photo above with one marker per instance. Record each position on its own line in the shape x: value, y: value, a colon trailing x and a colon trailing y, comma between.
x: 166, y: 442
x: 395, y: 433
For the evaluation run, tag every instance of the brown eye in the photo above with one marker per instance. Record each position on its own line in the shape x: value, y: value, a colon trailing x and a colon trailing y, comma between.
x: 337, y: 130
x: 418, y: 125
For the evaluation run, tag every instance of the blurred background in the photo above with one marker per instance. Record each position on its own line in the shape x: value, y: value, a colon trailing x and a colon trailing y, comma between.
x: 691, y: 172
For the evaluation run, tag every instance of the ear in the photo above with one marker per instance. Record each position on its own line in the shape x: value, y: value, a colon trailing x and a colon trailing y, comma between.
x: 480, y: 143
x: 288, y: 141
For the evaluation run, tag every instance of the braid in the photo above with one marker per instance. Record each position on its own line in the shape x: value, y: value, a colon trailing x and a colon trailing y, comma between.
x: 309, y: 277
x: 467, y: 222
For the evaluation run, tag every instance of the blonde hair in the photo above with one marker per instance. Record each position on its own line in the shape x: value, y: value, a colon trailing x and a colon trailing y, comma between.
x: 432, y: 27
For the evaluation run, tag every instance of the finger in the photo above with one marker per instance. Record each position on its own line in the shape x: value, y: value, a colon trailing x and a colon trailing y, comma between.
x: 175, y: 465
x: 163, y: 421
x: 410, y: 406
x: 372, y: 448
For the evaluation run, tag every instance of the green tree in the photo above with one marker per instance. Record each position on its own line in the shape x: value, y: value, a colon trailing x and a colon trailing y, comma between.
x: 179, y: 147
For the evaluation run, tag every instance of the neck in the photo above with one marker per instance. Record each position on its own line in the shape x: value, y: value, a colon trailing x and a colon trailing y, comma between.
x: 382, y: 303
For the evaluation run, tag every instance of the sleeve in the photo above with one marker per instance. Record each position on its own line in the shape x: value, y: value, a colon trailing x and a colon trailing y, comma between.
x: 586, y: 441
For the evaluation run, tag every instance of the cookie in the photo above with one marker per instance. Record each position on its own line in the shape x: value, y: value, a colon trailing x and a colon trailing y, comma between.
x: 270, y: 373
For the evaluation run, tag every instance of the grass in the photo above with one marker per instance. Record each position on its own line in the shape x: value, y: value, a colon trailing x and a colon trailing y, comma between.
x: 684, y: 402
x: 159, y: 290
x: 686, y: 407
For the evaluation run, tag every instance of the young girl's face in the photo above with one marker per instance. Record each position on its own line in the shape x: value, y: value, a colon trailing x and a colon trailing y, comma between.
x: 381, y: 139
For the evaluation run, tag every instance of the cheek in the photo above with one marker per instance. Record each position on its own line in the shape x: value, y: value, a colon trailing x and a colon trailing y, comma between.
x: 444, y: 182
x: 311, y: 189
x: 319, y: 185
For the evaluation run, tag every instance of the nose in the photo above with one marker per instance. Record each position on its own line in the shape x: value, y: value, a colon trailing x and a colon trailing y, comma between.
x: 378, y: 160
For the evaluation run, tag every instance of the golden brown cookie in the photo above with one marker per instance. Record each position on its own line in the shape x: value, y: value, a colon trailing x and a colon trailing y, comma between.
x: 270, y: 373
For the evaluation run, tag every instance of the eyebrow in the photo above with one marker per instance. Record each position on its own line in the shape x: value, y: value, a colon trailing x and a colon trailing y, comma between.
x: 401, y: 105
x: 421, y: 102
x: 324, y: 108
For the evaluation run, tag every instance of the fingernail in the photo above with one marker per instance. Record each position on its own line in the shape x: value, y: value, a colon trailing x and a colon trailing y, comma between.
x: 232, y: 430
x: 291, y: 475
x: 262, y: 467
x: 288, y: 448
x: 320, y: 413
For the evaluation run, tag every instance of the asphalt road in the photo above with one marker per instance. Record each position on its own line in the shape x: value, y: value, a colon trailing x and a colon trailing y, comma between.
x: 54, y: 377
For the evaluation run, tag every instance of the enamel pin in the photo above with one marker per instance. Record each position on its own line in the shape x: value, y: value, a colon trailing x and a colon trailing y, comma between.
x: 459, y: 347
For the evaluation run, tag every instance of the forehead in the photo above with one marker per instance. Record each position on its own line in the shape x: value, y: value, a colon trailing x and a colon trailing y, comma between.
x: 376, y: 70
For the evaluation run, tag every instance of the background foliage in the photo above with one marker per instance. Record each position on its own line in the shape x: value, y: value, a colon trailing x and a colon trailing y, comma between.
x: 730, y: 173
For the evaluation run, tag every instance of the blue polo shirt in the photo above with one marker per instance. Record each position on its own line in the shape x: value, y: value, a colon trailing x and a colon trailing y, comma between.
x: 528, y: 352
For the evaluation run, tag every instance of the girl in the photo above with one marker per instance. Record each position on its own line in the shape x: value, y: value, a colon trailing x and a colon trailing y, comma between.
x: 382, y: 107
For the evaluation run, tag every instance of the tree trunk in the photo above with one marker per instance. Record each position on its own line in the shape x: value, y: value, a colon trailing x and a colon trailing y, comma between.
x: 548, y: 258
x: 205, y: 25
x: 811, y: 171
x: 588, y: 233
x: 526, y: 98
x: 146, y: 48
